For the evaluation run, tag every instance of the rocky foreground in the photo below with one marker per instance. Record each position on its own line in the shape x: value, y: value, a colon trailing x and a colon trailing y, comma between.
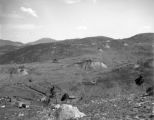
x: 128, y: 107
x: 121, y: 108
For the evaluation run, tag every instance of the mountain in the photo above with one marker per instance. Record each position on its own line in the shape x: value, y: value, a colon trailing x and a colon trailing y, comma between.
x: 8, y: 42
x: 8, y: 46
x: 111, y: 51
x: 49, y: 51
x: 143, y: 37
x: 42, y: 40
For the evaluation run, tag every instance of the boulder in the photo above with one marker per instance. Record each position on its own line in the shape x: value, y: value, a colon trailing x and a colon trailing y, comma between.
x: 22, y: 72
x: 67, y: 111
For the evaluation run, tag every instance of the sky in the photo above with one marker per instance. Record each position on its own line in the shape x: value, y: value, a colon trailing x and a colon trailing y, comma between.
x: 30, y: 20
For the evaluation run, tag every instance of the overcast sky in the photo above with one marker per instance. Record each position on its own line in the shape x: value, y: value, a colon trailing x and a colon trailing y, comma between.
x: 29, y: 20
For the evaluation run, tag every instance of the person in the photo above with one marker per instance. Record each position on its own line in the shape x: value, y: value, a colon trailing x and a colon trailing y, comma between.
x: 139, y: 81
x: 65, y: 97
x: 52, y: 92
x: 150, y: 91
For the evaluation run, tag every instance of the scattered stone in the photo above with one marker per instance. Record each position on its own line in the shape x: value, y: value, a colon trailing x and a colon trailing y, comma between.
x: 44, y: 98
x: 57, y: 106
x: 22, y: 71
x: 3, y: 106
x: 45, y: 114
x: 136, y: 66
x: 93, y: 43
x: 23, y: 105
x: 108, y: 41
x: 5, y: 99
x: 125, y: 44
x: 100, y: 50
x: 20, y: 114
x: 107, y: 46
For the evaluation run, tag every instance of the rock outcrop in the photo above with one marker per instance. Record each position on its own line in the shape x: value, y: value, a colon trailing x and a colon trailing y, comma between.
x: 91, y: 65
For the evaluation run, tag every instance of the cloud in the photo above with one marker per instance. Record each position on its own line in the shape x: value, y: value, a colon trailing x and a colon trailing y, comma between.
x: 72, y: 1
x: 81, y: 27
x: 29, y: 11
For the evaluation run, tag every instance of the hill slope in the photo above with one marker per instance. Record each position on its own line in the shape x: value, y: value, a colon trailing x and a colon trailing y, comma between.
x: 8, y: 42
x: 8, y: 46
x: 110, y: 51
x: 42, y: 40
x: 58, y: 50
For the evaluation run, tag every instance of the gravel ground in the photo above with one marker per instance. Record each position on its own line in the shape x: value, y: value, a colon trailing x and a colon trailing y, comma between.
x: 121, y: 108
x: 129, y: 107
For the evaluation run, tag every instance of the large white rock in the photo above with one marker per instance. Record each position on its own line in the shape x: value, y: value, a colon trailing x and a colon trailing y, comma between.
x: 22, y: 72
x: 69, y: 112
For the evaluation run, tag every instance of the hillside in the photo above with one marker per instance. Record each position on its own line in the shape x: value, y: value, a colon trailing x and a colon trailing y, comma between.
x: 112, y: 52
x: 7, y: 48
x: 8, y: 42
x: 143, y: 37
x: 42, y: 40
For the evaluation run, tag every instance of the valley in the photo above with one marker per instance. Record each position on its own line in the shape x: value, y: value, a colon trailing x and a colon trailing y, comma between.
x: 98, y: 73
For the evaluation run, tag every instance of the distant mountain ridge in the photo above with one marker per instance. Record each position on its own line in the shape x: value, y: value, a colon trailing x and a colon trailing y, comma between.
x: 42, y: 40
x: 8, y: 42
x: 8, y: 46
x: 112, y: 51
x: 142, y: 37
